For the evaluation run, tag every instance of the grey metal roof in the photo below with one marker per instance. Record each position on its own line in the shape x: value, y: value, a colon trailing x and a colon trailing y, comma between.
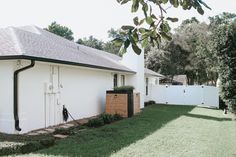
x: 31, y: 41
x: 152, y: 73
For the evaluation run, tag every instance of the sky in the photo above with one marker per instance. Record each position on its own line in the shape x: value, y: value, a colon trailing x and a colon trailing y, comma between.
x: 91, y: 17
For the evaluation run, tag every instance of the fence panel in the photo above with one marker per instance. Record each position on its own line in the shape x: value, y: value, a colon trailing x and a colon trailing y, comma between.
x: 185, y: 95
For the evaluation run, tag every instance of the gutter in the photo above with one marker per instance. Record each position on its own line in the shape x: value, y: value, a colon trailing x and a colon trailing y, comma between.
x: 48, y: 60
x: 15, y: 84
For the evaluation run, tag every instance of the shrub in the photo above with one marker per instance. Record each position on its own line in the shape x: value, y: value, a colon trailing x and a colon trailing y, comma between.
x: 31, y: 147
x: 28, y: 147
x: 151, y: 102
x: 117, y: 117
x: 48, y: 142
x: 222, y: 43
x: 222, y: 104
x: 95, y: 122
x: 64, y: 131
x: 10, y: 150
x: 124, y: 88
x: 107, y: 118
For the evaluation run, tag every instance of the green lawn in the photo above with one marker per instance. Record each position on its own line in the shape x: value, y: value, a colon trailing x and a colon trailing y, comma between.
x: 158, y: 131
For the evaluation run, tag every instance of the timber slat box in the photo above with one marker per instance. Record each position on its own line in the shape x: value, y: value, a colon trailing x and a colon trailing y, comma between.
x: 124, y: 103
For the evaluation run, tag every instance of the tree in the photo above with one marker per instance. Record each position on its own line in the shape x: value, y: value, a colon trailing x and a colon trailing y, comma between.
x: 60, y: 30
x: 223, y: 43
x: 91, y: 42
x: 221, y: 19
x: 111, y: 46
x: 100, y: 45
x: 157, y: 26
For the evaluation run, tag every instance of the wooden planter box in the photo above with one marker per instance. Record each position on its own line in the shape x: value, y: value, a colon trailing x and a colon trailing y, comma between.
x: 124, y: 103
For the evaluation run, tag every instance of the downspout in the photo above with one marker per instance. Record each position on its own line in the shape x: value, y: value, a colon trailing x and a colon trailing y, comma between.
x: 16, y: 116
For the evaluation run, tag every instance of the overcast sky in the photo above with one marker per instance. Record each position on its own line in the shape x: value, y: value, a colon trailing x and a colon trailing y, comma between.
x: 89, y: 17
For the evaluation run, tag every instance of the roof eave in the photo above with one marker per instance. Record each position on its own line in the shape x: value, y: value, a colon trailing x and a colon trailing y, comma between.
x: 62, y: 62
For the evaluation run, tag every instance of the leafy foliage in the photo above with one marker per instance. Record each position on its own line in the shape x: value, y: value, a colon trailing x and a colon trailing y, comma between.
x: 91, y: 42
x: 158, y: 27
x: 60, y: 30
x: 187, y: 53
x: 124, y: 88
x: 100, y: 45
x: 223, y: 43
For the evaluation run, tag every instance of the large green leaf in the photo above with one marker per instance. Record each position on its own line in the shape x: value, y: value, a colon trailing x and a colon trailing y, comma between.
x: 172, y: 19
x: 165, y: 36
x: 164, y: 1
x: 135, y: 6
x: 200, y: 10
x: 175, y: 3
x: 126, y: 43
x: 135, y: 20
x: 117, y: 41
x: 136, y: 49
x: 149, y: 20
x: 127, y: 27
x: 124, y: 1
x: 145, y: 42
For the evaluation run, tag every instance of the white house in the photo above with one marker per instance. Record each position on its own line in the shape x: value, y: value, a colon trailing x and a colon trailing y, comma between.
x: 40, y: 72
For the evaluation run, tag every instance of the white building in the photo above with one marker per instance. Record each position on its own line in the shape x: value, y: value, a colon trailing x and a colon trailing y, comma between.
x: 40, y: 72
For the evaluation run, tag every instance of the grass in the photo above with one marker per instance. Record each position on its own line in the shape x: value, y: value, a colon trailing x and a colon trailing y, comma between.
x: 108, y: 139
x: 160, y: 130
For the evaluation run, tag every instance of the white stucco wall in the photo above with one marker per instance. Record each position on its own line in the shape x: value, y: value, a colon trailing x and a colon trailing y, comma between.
x: 6, y: 97
x: 32, y: 96
x: 136, y: 63
x: 152, y: 80
x: 46, y: 87
x: 84, y: 91
x: 81, y: 90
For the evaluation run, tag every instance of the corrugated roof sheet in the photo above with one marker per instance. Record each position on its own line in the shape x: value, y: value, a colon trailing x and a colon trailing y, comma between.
x: 35, y: 42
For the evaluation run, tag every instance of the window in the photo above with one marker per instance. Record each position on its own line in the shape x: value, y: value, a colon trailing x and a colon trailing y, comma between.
x: 115, y: 80
x: 147, y: 86
x: 122, y: 80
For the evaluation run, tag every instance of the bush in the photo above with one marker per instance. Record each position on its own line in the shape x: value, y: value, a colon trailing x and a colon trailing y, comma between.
x: 64, y: 131
x: 28, y: 147
x: 97, y: 122
x: 151, y: 102
x: 223, y: 45
x: 10, y: 150
x: 107, y: 118
x: 117, y: 117
x: 124, y: 88
x: 48, y: 142
x: 31, y: 147
x: 222, y: 104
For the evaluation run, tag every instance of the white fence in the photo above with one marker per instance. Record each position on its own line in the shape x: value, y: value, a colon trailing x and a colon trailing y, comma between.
x: 184, y: 95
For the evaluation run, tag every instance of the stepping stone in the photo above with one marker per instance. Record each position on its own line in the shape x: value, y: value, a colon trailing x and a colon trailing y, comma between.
x: 83, y: 121
x: 60, y: 136
x: 33, y: 134
x: 50, y: 130
x: 64, y: 126
x: 42, y: 132
x: 70, y: 124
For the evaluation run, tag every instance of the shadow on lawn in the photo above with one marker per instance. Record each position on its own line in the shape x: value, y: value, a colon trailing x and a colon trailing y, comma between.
x: 207, y: 117
x: 110, y: 138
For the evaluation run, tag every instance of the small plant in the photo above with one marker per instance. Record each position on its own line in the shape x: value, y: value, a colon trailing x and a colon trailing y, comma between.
x: 107, y: 118
x: 124, y: 88
x: 151, y: 102
x: 117, y: 117
x: 64, y: 131
x: 97, y: 122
